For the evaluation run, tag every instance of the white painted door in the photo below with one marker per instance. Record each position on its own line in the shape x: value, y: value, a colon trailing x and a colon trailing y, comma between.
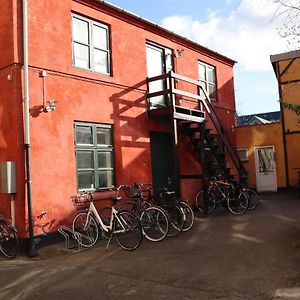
x: 265, y: 166
x: 159, y: 61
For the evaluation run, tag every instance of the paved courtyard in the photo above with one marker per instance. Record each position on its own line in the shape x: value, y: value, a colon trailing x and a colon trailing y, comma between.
x: 254, y: 256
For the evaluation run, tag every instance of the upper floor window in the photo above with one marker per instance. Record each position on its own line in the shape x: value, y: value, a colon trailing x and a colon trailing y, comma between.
x: 90, y: 45
x: 207, y: 77
x: 94, y: 156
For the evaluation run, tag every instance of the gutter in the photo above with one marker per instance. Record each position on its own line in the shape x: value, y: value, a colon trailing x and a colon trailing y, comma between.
x: 31, y: 245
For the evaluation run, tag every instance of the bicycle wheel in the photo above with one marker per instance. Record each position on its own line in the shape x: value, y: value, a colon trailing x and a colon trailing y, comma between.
x: 188, y: 214
x: 87, y: 226
x: 154, y: 223
x: 237, y: 204
x: 253, y: 199
x: 127, y: 230
x: 9, y: 243
x: 176, y: 220
x: 211, y: 202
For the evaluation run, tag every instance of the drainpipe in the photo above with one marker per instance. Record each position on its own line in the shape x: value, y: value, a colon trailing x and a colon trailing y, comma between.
x: 31, y: 246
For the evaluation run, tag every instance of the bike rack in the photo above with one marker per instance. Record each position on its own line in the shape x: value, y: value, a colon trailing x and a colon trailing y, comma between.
x: 68, y: 233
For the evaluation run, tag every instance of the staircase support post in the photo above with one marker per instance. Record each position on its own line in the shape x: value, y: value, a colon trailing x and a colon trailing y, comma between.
x: 176, y: 157
x: 204, y: 169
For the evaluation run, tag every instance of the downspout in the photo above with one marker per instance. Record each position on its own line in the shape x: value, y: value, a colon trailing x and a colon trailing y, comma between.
x: 31, y: 245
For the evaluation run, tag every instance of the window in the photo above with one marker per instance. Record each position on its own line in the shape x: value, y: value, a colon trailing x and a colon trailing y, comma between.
x: 243, y: 154
x: 94, y: 156
x: 207, y: 77
x: 90, y: 45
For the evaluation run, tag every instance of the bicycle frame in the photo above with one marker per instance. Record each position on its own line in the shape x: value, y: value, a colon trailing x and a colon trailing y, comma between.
x: 107, y: 228
x: 219, y: 184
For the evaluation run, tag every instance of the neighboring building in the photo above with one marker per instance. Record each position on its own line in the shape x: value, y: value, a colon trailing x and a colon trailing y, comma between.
x: 105, y: 108
x: 260, y: 148
x: 287, y: 70
x: 263, y: 118
x: 269, y: 143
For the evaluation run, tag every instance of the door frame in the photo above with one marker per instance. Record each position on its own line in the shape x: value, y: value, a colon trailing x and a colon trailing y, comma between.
x: 165, y: 51
x: 257, y: 168
x: 174, y: 176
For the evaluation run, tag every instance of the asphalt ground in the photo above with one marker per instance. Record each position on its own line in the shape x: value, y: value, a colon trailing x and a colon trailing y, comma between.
x: 253, y: 256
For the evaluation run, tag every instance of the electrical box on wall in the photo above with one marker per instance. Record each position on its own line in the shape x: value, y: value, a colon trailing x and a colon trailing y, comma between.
x: 8, y: 177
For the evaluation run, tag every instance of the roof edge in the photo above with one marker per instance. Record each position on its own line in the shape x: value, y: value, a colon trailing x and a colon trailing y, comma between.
x: 284, y: 56
x: 154, y: 25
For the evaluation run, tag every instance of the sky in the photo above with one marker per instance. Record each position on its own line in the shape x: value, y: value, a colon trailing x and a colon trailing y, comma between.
x: 244, y: 30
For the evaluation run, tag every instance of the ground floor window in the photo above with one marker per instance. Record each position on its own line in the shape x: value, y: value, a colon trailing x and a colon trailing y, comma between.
x: 243, y: 154
x: 94, y: 156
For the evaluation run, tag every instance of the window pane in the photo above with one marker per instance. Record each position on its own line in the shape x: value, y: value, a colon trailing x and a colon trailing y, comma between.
x: 80, y: 31
x: 86, y: 180
x: 243, y: 154
x: 103, y: 136
x: 84, y: 135
x: 202, y: 72
x: 100, y: 37
x: 212, y: 91
x: 101, y: 61
x: 85, y: 160
x: 104, y: 160
x: 211, y: 75
x: 105, y: 179
x: 81, y: 56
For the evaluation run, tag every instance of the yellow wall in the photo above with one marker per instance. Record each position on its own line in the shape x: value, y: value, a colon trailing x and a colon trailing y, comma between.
x: 290, y: 86
x: 262, y: 135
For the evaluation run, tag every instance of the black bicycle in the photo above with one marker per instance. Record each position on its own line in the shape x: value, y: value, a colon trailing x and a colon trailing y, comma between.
x: 9, y: 243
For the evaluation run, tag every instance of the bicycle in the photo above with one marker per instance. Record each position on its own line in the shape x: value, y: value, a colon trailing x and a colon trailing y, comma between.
x: 225, y: 194
x: 154, y: 219
x: 187, y: 210
x: 123, y: 225
x: 298, y: 181
x: 9, y: 242
x: 169, y: 203
x: 253, y: 197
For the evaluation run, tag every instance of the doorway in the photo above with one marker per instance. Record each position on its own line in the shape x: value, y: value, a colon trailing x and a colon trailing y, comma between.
x: 159, y: 62
x: 162, y: 156
x: 265, y: 167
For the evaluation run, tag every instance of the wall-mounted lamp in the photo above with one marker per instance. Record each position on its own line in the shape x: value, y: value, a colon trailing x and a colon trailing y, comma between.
x: 50, y: 107
x: 179, y: 52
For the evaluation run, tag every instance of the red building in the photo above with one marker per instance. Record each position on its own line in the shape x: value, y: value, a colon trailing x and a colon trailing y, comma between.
x: 96, y: 118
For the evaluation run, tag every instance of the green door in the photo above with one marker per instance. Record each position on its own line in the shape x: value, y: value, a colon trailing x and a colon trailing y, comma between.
x: 162, y: 156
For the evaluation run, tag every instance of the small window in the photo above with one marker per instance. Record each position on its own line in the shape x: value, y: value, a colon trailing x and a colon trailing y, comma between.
x: 207, y: 77
x: 94, y: 156
x: 243, y: 154
x: 90, y: 45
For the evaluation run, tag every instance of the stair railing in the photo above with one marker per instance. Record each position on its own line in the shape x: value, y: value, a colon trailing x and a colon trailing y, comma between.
x: 211, y: 111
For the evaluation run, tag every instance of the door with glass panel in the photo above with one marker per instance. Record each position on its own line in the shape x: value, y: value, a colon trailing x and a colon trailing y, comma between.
x: 207, y: 78
x: 159, y: 61
x: 94, y: 156
x: 266, y: 178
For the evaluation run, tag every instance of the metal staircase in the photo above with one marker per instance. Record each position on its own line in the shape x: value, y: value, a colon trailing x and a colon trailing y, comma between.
x: 191, y: 114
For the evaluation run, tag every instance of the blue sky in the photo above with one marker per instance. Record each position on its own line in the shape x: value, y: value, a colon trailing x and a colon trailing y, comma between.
x: 244, y: 30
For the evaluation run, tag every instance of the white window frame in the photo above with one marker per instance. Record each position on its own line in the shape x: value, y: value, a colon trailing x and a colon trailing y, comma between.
x: 246, y: 152
x: 206, y: 81
x: 90, y: 44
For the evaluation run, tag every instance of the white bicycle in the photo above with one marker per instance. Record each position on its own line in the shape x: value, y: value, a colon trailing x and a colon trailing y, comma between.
x: 123, y: 225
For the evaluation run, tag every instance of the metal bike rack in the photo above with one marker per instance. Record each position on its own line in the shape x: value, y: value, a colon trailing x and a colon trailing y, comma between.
x: 68, y: 233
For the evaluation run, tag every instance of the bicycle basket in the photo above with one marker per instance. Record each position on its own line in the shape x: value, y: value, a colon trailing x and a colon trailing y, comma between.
x: 132, y: 192
x: 81, y: 202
